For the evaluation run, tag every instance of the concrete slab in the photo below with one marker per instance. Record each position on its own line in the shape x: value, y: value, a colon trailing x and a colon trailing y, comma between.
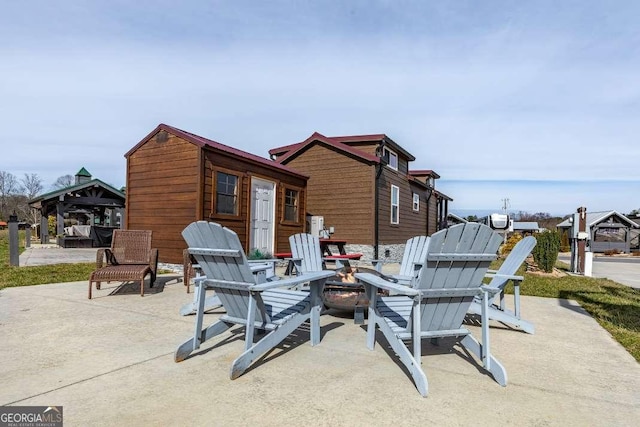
x: 53, y: 254
x: 109, y: 361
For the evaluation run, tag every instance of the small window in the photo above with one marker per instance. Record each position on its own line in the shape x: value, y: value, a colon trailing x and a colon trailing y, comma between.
x: 395, y: 205
x: 226, y: 194
x: 291, y: 205
x: 391, y: 158
x: 416, y: 202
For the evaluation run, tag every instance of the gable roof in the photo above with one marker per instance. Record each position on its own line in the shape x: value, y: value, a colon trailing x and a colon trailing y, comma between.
x: 424, y: 172
x: 83, y: 172
x: 208, y: 143
x: 594, y: 218
x: 318, y: 138
x: 77, y: 187
x: 338, y: 142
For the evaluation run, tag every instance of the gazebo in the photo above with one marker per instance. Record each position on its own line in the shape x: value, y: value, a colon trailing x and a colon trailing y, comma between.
x: 608, y: 230
x: 97, y: 207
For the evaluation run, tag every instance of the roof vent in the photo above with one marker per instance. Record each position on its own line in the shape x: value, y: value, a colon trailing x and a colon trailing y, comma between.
x: 162, y: 137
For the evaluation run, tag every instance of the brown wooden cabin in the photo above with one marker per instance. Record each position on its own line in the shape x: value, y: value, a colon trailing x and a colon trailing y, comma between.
x: 175, y: 177
x: 353, y: 181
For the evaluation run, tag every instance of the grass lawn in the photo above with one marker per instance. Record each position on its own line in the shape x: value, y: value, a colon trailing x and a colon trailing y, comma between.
x: 40, y: 274
x: 614, y: 306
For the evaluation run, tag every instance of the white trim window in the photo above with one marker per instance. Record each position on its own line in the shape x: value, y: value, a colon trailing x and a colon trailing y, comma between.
x: 391, y: 158
x: 416, y: 202
x: 395, y: 205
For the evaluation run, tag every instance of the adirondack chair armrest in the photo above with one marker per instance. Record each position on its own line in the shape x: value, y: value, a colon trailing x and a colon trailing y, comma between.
x: 258, y: 267
x: 491, y: 290
x: 403, y: 280
x: 378, y: 282
x: 287, y: 283
x: 509, y: 277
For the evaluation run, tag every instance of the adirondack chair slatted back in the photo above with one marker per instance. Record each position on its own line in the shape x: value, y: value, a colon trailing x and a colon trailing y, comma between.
x: 307, y: 248
x: 131, y: 246
x: 415, y: 250
x: 230, y: 266
x: 457, y: 260
x: 514, y: 260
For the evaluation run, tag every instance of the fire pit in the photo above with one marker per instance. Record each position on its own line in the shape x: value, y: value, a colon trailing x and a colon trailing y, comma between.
x: 344, y: 292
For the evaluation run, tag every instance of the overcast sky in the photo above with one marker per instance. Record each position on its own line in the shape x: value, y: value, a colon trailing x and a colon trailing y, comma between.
x: 534, y: 101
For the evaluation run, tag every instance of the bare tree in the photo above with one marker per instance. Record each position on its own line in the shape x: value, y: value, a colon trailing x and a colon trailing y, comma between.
x: 63, y: 181
x: 8, y: 187
x: 32, y: 186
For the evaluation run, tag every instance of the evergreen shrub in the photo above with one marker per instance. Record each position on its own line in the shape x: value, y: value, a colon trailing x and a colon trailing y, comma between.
x: 546, y: 251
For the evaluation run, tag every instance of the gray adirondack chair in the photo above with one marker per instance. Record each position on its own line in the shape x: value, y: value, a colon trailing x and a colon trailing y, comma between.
x: 500, y: 279
x: 413, y: 257
x: 268, y: 306
x: 435, y: 304
x: 305, y: 253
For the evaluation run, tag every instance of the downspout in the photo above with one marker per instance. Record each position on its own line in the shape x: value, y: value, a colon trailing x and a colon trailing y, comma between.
x: 376, y: 231
x: 430, y: 190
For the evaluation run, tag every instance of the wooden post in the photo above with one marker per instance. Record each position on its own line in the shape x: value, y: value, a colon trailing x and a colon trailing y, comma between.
x: 27, y: 236
x: 44, y: 229
x: 14, y: 253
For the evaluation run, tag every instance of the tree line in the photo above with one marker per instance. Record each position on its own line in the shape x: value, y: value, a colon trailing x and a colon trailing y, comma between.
x: 15, y: 194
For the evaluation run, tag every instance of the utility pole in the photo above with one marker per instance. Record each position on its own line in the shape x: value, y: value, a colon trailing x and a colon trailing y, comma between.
x: 505, y: 206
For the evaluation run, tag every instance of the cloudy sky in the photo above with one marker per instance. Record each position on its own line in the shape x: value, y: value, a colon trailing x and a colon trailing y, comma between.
x: 537, y: 102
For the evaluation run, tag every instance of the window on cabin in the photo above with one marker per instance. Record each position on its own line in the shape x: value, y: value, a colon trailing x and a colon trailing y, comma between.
x: 391, y: 158
x: 416, y: 202
x: 291, y: 205
x: 226, y: 193
x: 395, y: 205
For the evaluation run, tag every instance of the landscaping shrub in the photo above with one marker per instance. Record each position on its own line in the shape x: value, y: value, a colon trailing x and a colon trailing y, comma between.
x: 610, y: 252
x: 565, y: 246
x: 510, y: 243
x: 258, y: 254
x: 546, y: 251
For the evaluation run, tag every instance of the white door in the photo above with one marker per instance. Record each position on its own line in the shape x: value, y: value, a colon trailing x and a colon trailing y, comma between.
x: 263, y: 204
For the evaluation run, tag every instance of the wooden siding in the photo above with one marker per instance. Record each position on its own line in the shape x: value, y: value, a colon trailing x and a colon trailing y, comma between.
x: 170, y: 184
x: 411, y: 223
x: 241, y: 223
x: 162, y: 192
x: 340, y: 189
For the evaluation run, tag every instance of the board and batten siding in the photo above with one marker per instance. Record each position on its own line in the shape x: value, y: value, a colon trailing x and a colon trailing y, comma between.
x: 162, y: 192
x: 340, y: 189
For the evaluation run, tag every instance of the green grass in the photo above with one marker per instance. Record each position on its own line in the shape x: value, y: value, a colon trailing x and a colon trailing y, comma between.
x: 614, y: 306
x: 37, y: 275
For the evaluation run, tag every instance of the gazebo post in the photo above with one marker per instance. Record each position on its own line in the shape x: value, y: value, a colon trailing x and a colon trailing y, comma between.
x: 44, y: 227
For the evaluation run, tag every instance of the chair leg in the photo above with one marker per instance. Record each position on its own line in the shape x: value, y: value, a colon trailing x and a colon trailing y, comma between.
x: 407, y: 359
x: 189, y: 346
x: 268, y: 342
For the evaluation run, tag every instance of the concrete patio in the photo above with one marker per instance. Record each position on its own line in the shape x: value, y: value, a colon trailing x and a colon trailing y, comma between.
x: 109, y: 361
